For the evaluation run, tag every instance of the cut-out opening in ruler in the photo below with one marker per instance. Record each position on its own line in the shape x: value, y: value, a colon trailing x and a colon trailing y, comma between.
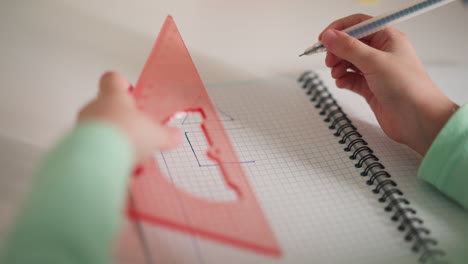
x: 170, y: 84
x: 200, y: 175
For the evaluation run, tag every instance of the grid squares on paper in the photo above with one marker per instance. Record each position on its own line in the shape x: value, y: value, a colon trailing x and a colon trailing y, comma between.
x: 307, y: 187
x: 319, y: 207
x: 307, y: 176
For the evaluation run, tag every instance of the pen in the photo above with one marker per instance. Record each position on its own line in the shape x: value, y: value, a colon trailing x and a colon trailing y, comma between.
x: 378, y: 23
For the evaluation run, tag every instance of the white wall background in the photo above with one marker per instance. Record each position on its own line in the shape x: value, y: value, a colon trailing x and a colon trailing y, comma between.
x: 53, y: 51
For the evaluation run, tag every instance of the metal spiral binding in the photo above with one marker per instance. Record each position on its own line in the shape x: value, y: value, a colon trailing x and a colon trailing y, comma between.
x: 410, y: 225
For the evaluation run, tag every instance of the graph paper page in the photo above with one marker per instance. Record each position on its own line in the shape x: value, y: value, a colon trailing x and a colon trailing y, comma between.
x: 318, y: 206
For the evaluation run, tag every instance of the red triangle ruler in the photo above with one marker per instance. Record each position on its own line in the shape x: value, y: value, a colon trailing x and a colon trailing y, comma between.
x: 170, y: 84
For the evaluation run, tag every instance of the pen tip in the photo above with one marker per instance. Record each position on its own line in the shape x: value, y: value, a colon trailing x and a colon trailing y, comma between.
x: 301, y: 54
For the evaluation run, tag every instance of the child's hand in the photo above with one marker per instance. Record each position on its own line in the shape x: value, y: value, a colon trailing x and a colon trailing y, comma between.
x: 116, y: 105
x: 385, y: 70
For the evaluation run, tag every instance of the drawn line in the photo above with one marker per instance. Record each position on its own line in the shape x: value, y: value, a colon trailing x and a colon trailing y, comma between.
x: 194, y: 241
x: 230, y: 118
x: 210, y: 165
x: 141, y: 235
x: 185, y: 119
x: 190, y: 143
x: 224, y: 113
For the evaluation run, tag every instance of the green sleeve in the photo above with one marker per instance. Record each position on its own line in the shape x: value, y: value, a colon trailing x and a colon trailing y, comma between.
x: 446, y: 163
x: 73, y: 210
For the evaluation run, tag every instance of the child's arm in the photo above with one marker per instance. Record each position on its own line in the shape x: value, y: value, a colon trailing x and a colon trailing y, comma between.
x: 74, y: 209
x: 73, y: 212
x: 386, y: 71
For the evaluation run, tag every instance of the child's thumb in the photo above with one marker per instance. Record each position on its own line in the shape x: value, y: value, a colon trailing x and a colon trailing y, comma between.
x: 350, y: 49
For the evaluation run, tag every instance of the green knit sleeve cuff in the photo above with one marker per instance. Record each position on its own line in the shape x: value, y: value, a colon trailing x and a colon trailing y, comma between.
x: 446, y: 162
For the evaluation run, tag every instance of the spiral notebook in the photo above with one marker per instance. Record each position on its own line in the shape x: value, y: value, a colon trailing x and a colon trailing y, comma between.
x: 333, y: 187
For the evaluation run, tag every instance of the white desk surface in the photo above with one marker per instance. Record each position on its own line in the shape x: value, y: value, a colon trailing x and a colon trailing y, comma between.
x: 53, y: 52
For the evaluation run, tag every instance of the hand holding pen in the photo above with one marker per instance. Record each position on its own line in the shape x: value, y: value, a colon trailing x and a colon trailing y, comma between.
x: 385, y: 70
x: 375, y: 24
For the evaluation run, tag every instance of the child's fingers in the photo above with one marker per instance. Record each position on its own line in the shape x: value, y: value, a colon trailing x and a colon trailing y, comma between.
x: 355, y: 82
x: 152, y: 138
x: 115, y: 104
x: 175, y: 138
x: 345, y: 22
x: 355, y: 69
x: 340, y: 69
x: 350, y: 81
x: 345, y: 81
x: 163, y: 137
x: 364, y: 57
x: 113, y: 86
x: 331, y: 59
